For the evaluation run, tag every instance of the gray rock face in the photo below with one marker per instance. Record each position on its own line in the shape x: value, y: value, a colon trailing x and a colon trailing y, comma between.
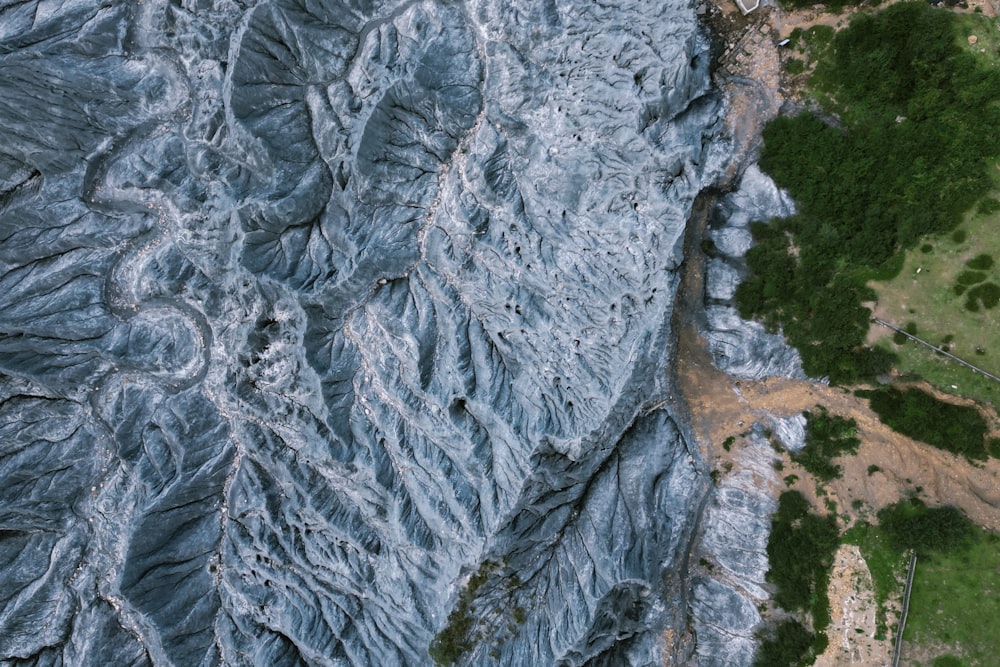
x: 308, y: 310
x: 735, y: 531
x: 791, y: 431
x: 721, y: 280
x: 741, y: 347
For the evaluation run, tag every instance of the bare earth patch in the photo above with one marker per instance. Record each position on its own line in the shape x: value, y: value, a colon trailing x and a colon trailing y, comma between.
x: 852, y: 605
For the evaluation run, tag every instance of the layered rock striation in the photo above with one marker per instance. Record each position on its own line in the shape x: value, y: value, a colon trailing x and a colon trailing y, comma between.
x: 310, y: 313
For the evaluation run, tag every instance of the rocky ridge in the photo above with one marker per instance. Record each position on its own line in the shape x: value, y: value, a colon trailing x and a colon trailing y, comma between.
x: 314, y: 313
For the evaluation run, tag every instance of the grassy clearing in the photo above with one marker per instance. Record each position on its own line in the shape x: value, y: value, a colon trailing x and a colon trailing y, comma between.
x: 954, y: 606
x: 956, y: 603
x: 924, y: 293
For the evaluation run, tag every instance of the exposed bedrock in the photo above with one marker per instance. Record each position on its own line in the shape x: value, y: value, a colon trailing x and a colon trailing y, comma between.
x: 743, y: 348
x: 311, y: 311
x: 732, y: 551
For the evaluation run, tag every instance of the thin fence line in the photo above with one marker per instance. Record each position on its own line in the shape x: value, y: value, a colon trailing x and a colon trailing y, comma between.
x: 937, y: 349
x: 906, y: 609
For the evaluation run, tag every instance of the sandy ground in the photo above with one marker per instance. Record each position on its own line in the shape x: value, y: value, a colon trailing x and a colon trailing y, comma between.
x: 853, y: 607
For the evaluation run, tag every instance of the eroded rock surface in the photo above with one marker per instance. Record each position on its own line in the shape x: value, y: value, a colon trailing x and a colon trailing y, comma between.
x: 743, y: 348
x: 732, y: 552
x: 307, y: 310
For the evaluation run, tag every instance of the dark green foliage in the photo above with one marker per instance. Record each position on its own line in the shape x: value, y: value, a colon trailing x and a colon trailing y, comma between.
x: 827, y: 436
x: 956, y: 428
x: 947, y: 660
x: 988, y: 205
x: 787, y: 645
x: 958, y: 289
x: 986, y: 295
x: 970, y: 277
x: 795, y: 66
x: 872, y: 469
x: 959, y: 236
x: 981, y: 262
x: 926, y: 248
x: 993, y: 447
x: 910, y: 524
x: 727, y: 444
x: 800, y: 551
x: 918, y: 122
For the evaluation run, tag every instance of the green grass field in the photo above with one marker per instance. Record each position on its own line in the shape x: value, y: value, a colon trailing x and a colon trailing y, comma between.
x: 955, y: 606
x: 924, y: 293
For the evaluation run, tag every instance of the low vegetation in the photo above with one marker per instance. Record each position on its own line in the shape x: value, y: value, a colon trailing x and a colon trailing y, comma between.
x: 929, y: 289
x: 827, y: 437
x: 886, y: 565
x: 955, y: 428
x: 954, y: 610
x: 957, y: 563
x: 455, y: 639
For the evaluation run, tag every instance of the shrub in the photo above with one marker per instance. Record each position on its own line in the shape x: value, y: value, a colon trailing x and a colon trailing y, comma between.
x: 982, y: 262
x: 988, y: 205
x: 954, y: 428
x: 959, y: 236
x: 910, y: 524
x: 986, y: 294
x: 827, y: 436
x: 787, y: 644
x: 795, y: 66
x: 968, y: 278
x: 800, y: 552
x: 456, y: 638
